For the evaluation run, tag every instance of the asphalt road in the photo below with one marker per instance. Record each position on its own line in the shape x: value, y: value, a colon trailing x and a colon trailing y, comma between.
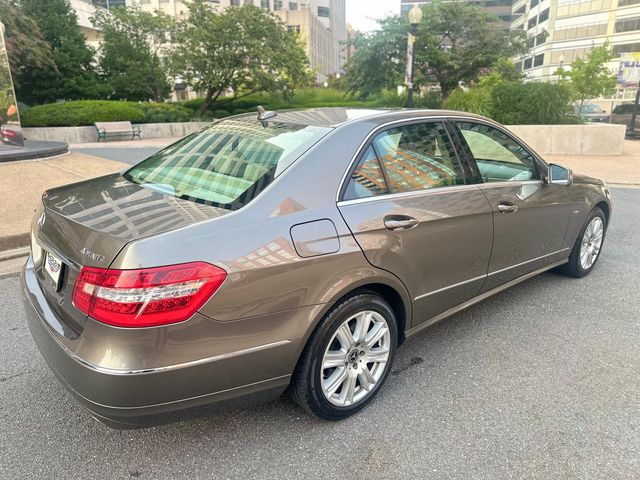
x: 130, y: 155
x: 540, y: 382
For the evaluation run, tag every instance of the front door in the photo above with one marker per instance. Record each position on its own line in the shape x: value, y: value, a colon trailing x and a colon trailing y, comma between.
x: 415, y: 214
x: 530, y: 216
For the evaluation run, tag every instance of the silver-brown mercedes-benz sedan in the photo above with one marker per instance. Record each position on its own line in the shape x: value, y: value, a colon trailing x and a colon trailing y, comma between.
x: 291, y: 250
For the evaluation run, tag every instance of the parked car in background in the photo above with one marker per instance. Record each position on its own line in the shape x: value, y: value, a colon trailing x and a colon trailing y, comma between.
x: 621, y: 114
x: 591, y: 112
x: 294, y: 250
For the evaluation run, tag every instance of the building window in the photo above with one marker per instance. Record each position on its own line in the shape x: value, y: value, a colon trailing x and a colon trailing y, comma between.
x: 248, y: 2
x: 277, y: 5
x: 527, y: 63
x: 627, y: 48
x: 541, y: 38
x: 235, y: 3
x: 264, y: 4
x: 518, y: 66
x: 538, y: 60
x: 624, y: 3
x: 531, y: 42
x: 293, y: 6
x: 544, y: 16
x: 532, y: 22
x: 293, y: 28
x: 323, y: 12
x: 534, y: 3
x: 628, y: 25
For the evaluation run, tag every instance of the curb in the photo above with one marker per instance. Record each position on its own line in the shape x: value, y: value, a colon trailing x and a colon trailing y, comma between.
x: 13, y: 242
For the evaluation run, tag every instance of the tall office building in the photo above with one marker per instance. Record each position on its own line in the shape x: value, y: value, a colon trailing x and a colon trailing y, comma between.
x: 321, y: 23
x: 499, y: 8
x: 560, y: 31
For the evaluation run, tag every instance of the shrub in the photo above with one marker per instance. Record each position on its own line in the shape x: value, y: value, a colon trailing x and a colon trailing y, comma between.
x: 165, y: 112
x: 517, y: 103
x: 82, y: 112
x: 475, y: 100
x: 533, y: 103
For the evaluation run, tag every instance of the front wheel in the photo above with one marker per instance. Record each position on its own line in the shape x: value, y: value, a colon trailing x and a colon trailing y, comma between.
x: 586, y: 251
x: 348, y: 357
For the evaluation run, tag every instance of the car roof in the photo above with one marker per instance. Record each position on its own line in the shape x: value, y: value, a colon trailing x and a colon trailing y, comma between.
x: 337, y: 116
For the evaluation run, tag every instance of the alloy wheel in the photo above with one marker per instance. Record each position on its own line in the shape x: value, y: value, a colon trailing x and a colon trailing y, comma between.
x: 591, y: 243
x: 355, y: 359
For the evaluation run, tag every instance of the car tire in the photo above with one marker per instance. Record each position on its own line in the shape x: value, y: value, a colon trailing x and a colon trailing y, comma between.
x: 333, y: 379
x: 591, y: 238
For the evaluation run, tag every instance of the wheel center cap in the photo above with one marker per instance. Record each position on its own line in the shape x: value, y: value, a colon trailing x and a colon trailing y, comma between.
x: 353, y: 356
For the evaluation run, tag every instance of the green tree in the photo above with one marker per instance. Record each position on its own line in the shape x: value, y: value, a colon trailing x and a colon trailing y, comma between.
x: 131, y: 60
x: 27, y: 49
x: 74, y: 76
x: 590, y: 78
x: 243, y: 50
x: 455, y: 43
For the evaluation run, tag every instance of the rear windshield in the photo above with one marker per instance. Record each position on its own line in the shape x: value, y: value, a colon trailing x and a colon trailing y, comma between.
x: 226, y: 164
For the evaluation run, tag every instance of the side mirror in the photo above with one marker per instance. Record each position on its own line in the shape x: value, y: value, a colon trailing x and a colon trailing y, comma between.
x: 559, y: 175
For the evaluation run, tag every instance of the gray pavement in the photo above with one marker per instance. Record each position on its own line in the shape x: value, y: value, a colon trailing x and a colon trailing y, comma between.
x: 130, y: 155
x: 541, y: 381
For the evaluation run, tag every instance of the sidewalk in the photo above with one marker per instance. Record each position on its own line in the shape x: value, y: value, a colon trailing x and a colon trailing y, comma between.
x: 145, y: 142
x: 22, y: 184
x: 621, y: 170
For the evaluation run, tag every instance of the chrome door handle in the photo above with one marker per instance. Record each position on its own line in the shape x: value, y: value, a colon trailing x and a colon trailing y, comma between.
x: 506, y: 207
x: 399, y: 222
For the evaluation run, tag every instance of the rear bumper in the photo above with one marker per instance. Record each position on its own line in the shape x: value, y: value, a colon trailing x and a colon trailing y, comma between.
x: 116, y: 382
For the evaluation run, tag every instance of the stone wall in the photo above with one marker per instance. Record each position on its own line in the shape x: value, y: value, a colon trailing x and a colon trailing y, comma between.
x: 589, y: 139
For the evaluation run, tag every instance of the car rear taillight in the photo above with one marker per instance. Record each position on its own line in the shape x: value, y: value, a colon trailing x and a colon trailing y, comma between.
x: 8, y: 133
x: 146, y: 297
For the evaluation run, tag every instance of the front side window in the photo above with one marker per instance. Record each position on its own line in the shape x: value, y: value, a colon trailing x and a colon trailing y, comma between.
x: 418, y: 157
x: 499, y: 157
x: 226, y: 164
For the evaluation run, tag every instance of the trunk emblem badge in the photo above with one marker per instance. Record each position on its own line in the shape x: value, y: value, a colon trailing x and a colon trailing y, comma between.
x: 93, y: 256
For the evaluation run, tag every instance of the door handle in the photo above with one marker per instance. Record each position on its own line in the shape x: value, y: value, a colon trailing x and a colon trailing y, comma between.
x: 507, y: 207
x: 399, y: 222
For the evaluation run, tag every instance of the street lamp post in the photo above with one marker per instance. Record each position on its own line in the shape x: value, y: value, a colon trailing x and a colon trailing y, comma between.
x: 415, y: 16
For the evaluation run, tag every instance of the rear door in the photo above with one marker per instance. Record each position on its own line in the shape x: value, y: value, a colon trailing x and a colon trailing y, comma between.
x: 530, y: 216
x: 415, y: 214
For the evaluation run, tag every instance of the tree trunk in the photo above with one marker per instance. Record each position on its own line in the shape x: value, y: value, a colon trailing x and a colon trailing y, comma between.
x: 209, y: 100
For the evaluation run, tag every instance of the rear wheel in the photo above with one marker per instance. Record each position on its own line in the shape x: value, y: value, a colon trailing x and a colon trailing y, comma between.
x: 347, y: 358
x: 586, y: 250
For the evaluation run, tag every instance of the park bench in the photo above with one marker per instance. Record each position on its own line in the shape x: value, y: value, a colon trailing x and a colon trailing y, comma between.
x: 117, y: 129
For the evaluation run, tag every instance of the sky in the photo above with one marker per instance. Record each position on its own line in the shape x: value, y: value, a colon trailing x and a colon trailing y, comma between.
x: 362, y: 14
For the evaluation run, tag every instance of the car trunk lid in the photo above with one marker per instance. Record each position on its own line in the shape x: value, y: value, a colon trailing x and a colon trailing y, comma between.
x: 88, y: 223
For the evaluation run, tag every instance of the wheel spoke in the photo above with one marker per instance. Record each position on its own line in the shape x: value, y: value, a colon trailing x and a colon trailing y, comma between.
x: 376, y: 333
x: 344, y: 336
x: 362, y: 326
x: 334, y: 359
x: 336, y: 379
x: 349, y: 388
x: 377, y: 355
x: 366, y: 379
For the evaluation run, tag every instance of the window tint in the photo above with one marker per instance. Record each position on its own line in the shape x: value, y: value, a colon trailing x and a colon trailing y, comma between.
x: 417, y: 157
x: 499, y: 157
x: 367, y: 179
x: 226, y: 164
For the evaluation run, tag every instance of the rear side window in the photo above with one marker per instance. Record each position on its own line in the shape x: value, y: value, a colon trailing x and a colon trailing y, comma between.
x: 624, y: 109
x: 227, y: 164
x: 367, y: 179
x: 418, y: 157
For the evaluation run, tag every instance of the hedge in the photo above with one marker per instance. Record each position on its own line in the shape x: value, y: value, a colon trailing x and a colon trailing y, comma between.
x: 81, y: 112
x: 87, y: 112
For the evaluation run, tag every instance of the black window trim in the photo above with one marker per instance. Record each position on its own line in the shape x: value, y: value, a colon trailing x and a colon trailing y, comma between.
x: 540, y: 164
x: 368, y: 141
